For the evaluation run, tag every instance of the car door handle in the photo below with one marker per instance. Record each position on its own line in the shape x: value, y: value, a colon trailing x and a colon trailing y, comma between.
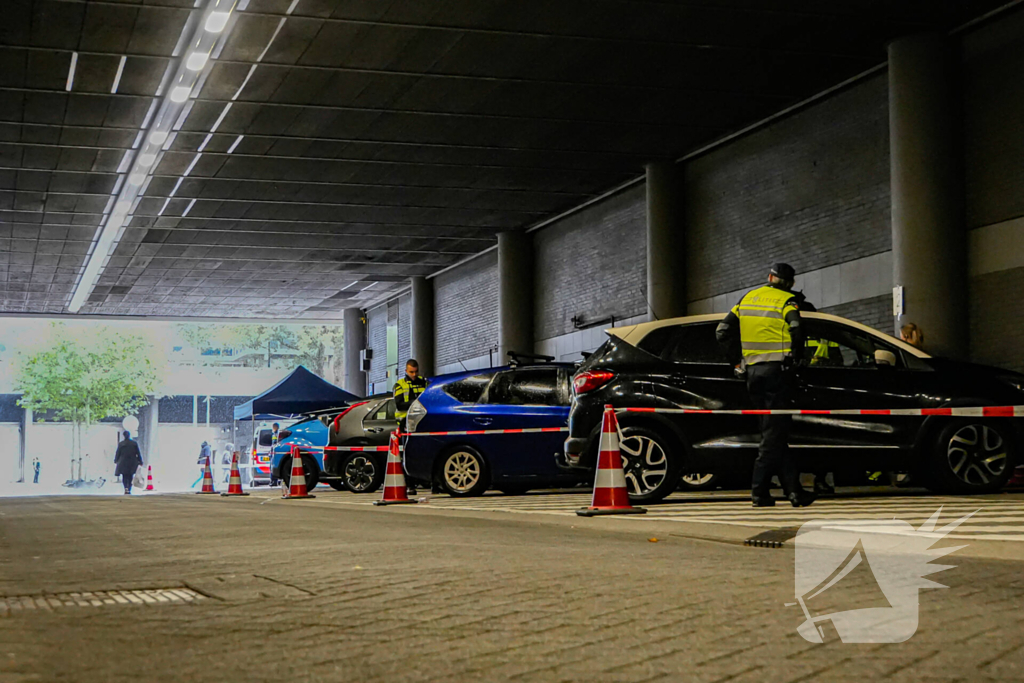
x: 375, y: 430
x: 483, y: 420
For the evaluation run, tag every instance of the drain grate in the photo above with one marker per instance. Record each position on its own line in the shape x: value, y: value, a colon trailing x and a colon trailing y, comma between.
x: 773, y: 538
x: 52, y: 601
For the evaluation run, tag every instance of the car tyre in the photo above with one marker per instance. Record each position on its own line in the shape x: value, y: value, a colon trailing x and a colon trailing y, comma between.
x: 336, y: 484
x: 972, y: 456
x: 696, y: 481
x: 463, y: 472
x: 309, y: 466
x: 361, y: 473
x: 649, y: 463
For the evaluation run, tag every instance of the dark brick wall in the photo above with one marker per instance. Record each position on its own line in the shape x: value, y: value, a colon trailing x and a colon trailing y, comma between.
x: 404, y: 330
x: 993, y: 96
x: 811, y: 189
x: 591, y: 264
x: 466, y: 310
x: 875, y: 312
x: 997, y: 335
x: 377, y: 339
x: 178, y: 409
x: 10, y: 411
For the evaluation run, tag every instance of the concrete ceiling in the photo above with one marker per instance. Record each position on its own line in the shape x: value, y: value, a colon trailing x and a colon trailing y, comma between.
x: 380, y: 138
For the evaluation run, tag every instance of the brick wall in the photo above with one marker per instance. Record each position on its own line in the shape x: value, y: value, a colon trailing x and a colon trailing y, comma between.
x: 874, y: 312
x: 811, y: 189
x: 993, y: 96
x: 591, y: 264
x: 997, y: 335
x: 466, y: 310
x: 404, y: 330
x: 377, y: 339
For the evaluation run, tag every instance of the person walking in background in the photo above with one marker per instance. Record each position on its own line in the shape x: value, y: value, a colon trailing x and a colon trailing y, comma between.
x: 127, y: 459
x: 36, y: 466
x: 274, y: 438
x: 204, y: 452
x: 913, y: 335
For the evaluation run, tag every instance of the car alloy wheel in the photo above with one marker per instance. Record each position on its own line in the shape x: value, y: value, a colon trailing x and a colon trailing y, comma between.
x: 644, y: 464
x: 359, y: 474
x: 977, y: 454
x: 698, y: 481
x: 461, y: 472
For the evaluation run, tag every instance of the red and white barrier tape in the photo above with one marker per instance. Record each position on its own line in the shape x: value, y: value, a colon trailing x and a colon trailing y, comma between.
x: 981, y: 411
x: 478, y: 432
x: 358, y: 449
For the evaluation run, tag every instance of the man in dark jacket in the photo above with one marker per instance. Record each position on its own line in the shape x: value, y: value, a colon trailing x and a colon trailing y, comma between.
x: 127, y: 459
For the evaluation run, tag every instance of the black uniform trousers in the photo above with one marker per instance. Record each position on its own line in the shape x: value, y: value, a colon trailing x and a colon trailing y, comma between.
x: 771, y: 387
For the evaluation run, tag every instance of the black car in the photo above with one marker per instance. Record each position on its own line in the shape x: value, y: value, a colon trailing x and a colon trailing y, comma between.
x: 678, y: 364
x: 366, y: 424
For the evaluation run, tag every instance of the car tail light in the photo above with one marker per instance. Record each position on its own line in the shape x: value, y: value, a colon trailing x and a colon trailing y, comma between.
x: 416, y: 413
x: 590, y: 380
x: 345, y: 412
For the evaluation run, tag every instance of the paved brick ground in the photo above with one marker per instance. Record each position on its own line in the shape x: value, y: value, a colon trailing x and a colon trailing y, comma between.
x: 308, y: 591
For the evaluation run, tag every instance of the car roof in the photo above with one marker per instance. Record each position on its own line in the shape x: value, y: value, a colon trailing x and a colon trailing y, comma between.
x: 455, y: 376
x: 633, y: 334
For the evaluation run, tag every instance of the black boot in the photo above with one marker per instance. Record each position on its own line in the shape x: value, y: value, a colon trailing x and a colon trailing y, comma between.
x: 762, y: 502
x: 801, y: 499
x: 822, y: 488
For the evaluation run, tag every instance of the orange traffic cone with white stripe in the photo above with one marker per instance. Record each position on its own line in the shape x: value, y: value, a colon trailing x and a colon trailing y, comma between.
x: 297, y: 486
x: 610, y: 494
x: 207, y: 478
x: 394, y: 477
x: 235, y: 482
x: 149, y: 479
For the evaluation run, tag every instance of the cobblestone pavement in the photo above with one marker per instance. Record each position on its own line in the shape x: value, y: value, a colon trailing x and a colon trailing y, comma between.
x: 332, y: 589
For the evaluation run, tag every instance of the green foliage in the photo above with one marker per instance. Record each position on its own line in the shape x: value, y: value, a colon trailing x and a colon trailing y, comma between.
x: 313, y: 344
x: 85, y: 380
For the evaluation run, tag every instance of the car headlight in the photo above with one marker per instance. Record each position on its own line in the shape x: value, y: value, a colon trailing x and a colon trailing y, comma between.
x: 416, y: 413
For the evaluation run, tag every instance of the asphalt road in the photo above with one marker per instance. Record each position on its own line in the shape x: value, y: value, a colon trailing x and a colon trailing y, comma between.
x: 332, y: 589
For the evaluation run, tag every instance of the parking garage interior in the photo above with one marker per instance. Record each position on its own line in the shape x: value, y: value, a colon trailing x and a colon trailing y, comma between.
x: 455, y: 180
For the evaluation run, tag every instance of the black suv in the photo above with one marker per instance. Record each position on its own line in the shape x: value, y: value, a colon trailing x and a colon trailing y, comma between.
x: 678, y: 364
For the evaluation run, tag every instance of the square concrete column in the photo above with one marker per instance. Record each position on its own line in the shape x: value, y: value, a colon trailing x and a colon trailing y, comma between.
x: 928, y: 231
x: 666, y: 242
x: 355, y: 341
x: 515, y: 294
x: 422, y: 337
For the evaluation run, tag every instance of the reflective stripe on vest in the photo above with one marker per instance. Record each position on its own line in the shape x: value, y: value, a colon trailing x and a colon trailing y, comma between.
x: 409, y: 391
x: 764, y: 332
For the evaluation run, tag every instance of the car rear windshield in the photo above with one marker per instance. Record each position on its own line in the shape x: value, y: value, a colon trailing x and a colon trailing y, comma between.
x: 536, y: 387
x: 468, y: 390
x: 265, y: 437
x: 693, y: 343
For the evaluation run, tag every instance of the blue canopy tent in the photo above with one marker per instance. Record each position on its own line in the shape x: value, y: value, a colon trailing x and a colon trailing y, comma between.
x: 300, y: 393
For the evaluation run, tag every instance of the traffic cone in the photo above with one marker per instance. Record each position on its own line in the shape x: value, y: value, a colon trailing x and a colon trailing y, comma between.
x: 610, y: 494
x: 149, y: 479
x: 394, y: 477
x: 235, y: 481
x: 297, y: 486
x: 207, y: 478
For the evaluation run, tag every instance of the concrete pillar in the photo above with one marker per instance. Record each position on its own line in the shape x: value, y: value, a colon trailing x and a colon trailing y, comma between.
x: 928, y: 233
x: 26, y: 427
x: 152, y: 430
x: 515, y: 294
x: 422, y: 325
x: 666, y: 245
x: 355, y: 341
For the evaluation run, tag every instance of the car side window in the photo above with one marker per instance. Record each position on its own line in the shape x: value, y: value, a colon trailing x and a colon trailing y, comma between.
x: 532, y: 387
x: 694, y: 343
x: 834, y: 345
x: 655, y: 341
x: 469, y: 389
x: 381, y: 411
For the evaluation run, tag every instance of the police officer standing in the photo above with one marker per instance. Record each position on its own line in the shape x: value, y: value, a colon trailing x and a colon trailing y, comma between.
x: 766, y: 323
x: 407, y: 390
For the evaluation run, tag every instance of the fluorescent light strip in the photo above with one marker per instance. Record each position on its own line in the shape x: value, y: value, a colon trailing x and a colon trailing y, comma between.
x: 195, y: 160
x: 280, y: 25
x: 205, y: 142
x: 247, y: 77
x: 176, y: 186
x: 117, y: 76
x: 224, y: 112
x: 126, y: 162
x: 235, y: 144
x: 291, y: 8
x: 71, y: 71
x: 188, y: 208
x: 164, y: 207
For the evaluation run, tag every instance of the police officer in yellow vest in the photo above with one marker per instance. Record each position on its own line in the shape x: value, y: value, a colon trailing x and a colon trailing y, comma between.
x: 407, y: 390
x: 766, y: 322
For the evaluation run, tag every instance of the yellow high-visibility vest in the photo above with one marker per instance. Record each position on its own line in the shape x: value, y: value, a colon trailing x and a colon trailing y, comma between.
x: 764, y: 332
x: 407, y: 391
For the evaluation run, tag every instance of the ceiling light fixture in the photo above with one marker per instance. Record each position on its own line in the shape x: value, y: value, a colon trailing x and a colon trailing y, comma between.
x: 117, y: 76
x: 217, y: 20
x: 184, y: 77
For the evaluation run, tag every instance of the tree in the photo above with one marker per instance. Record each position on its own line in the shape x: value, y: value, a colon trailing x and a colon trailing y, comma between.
x: 83, y: 380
